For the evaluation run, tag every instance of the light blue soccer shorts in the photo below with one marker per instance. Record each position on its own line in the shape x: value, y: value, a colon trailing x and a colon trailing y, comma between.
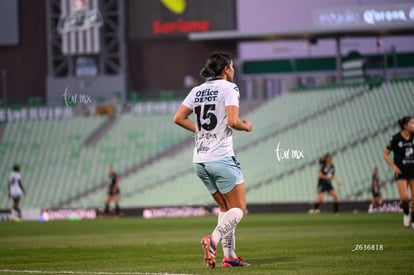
x: 16, y: 194
x: 220, y: 175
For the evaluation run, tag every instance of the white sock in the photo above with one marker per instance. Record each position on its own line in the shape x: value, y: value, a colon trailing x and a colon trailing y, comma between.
x: 228, y: 244
x: 227, y: 224
x: 220, y: 216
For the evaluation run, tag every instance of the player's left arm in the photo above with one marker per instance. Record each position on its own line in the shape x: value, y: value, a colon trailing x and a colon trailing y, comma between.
x: 21, y: 187
x: 234, y: 121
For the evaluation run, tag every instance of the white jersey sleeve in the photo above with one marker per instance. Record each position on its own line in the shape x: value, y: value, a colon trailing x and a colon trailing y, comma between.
x: 232, y: 98
x: 189, y: 101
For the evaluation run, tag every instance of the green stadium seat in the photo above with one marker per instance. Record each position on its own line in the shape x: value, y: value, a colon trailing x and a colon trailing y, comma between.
x: 352, y: 121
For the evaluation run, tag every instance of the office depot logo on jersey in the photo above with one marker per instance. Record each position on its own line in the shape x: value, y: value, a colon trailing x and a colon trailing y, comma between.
x: 206, y: 95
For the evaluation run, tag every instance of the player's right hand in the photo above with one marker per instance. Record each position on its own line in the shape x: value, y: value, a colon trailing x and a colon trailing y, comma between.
x: 396, y: 170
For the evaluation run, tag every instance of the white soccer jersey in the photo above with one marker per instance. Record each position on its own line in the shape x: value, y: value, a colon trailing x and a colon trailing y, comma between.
x: 213, y: 137
x: 14, y: 183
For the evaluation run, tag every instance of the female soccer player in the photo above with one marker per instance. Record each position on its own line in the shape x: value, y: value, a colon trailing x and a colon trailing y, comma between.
x: 215, y: 104
x: 113, y: 192
x: 16, y: 189
x: 402, y: 145
x: 376, y: 200
x: 326, y: 174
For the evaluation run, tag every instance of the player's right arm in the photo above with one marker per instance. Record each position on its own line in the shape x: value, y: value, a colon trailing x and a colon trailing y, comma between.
x: 182, y: 119
x: 117, y: 183
x: 323, y: 176
x: 8, y: 185
x: 335, y: 179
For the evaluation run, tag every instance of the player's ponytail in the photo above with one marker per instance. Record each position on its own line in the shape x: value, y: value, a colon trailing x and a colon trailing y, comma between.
x: 215, y: 65
x: 207, y: 72
x: 403, y: 121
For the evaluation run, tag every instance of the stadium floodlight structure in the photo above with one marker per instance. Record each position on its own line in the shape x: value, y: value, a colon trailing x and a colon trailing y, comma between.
x: 86, y: 49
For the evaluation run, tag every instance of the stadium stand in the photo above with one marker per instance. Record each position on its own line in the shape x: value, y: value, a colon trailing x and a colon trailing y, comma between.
x: 153, y: 156
x: 57, y: 166
x: 343, y: 121
x: 348, y: 131
x: 49, y: 154
x: 144, y: 188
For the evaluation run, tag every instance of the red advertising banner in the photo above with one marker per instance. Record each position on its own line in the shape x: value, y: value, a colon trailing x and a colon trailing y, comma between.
x: 150, y: 19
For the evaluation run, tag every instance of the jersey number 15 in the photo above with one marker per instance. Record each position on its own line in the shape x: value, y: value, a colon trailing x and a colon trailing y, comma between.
x: 206, y: 112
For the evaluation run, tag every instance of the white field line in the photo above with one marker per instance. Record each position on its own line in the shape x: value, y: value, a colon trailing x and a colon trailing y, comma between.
x: 82, y: 272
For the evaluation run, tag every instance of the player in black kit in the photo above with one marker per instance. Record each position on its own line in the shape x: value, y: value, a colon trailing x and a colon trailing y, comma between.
x: 113, y: 191
x: 376, y: 200
x: 402, y: 145
x: 326, y: 174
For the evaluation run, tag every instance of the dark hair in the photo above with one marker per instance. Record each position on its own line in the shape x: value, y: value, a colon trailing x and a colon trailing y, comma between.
x: 403, y: 121
x: 323, y: 159
x: 16, y: 168
x: 215, y: 64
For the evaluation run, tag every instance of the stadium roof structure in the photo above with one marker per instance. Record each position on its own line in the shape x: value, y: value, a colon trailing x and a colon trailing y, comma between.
x: 337, y: 34
x: 336, y: 22
x: 234, y: 35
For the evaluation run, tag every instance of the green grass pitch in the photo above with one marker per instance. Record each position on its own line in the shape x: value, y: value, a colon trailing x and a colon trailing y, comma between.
x: 272, y: 243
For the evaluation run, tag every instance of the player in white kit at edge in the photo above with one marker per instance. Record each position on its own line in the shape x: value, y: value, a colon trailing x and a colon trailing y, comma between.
x: 215, y: 104
x: 16, y: 191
